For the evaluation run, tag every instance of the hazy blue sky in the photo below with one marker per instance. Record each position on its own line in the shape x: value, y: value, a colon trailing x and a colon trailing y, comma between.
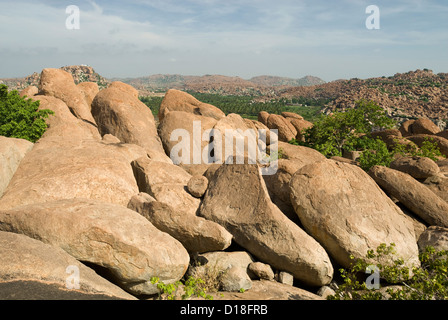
x: 243, y: 38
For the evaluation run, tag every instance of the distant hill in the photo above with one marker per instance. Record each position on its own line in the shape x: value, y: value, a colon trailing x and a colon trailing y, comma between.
x: 219, y: 84
x: 273, y: 81
x: 80, y: 74
x: 413, y: 94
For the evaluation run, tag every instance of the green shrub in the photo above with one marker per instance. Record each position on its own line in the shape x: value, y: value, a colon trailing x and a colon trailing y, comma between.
x: 191, y: 287
x: 429, y: 281
x: 375, y: 153
x: 333, y: 134
x: 21, y: 117
x: 351, y: 131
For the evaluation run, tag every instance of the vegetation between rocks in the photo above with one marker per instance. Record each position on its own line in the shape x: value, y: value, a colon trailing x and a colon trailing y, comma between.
x: 351, y: 130
x: 426, y: 282
x: 247, y: 107
x: 21, y: 117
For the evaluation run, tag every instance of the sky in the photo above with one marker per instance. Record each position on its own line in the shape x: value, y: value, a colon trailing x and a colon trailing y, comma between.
x: 245, y: 38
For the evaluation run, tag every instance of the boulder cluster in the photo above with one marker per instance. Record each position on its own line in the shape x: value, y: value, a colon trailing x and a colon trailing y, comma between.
x: 100, y: 194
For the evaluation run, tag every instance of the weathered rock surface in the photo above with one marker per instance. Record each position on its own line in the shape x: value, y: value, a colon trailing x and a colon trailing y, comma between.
x: 345, y: 210
x: 424, y: 126
x: 63, y: 125
x: 195, y: 233
x: 260, y: 270
x: 406, y: 128
x: 197, y: 185
x: 29, y: 91
x: 436, y: 237
x: 108, y: 235
x: 268, y: 290
x: 31, y: 269
x: 235, y: 279
x: 417, y: 167
x: 220, y: 261
x: 12, y: 151
x: 259, y: 226
x: 87, y: 169
x: 263, y: 117
x: 176, y: 100
x: 235, y: 139
x: 119, y: 112
x: 292, y: 115
x: 166, y: 183
x: 300, y: 125
x: 415, y: 196
x: 177, y: 126
x: 286, y: 131
x: 60, y: 84
x: 89, y: 90
x: 439, y: 185
x: 278, y: 183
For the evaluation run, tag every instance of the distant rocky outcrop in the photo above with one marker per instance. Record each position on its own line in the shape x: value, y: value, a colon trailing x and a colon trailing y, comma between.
x: 219, y: 84
x: 410, y: 95
x: 80, y: 73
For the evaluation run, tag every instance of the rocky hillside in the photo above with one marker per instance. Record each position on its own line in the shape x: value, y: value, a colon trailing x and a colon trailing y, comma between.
x: 414, y: 94
x: 273, y: 81
x: 104, y: 202
x: 79, y: 73
x: 219, y: 84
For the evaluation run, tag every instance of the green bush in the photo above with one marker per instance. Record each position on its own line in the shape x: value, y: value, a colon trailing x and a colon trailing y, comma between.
x: 191, y: 287
x: 429, y: 149
x: 375, y: 153
x: 21, y: 117
x: 333, y: 134
x: 429, y: 281
x: 351, y: 131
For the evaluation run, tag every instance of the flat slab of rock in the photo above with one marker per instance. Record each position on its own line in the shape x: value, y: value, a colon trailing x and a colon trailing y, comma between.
x: 176, y: 100
x: 166, y: 183
x: 107, y: 235
x: 414, y: 195
x: 88, y: 169
x: 346, y: 211
x: 31, y: 270
x: 260, y: 227
x: 195, y: 233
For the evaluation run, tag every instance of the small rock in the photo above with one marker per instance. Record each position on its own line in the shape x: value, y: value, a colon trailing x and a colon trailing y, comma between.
x: 236, y: 279
x: 197, y: 186
x: 434, y: 236
x: 259, y: 270
x: 424, y: 126
x: 285, y: 278
x: 326, y: 291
